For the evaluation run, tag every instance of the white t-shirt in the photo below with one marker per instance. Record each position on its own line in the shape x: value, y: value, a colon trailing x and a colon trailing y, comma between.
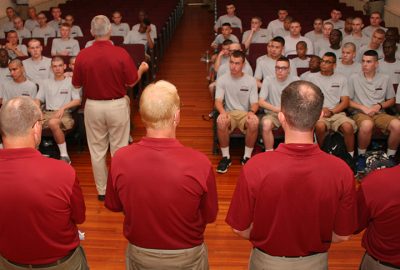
x: 121, y: 29
x: 391, y: 69
x: 10, y: 89
x: 290, y: 45
x: 71, y: 45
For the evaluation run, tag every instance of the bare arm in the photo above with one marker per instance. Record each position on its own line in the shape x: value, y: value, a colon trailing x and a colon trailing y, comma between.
x: 247, y: 42
x: 219, y: 106
x: 246, y: 233
x: 266, y: 105
x: 149, y: 39
x: 142, y: 69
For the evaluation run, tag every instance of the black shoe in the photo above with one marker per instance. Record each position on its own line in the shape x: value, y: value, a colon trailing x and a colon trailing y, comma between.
x: 101, y: 197
x: 223, y: 165
x: 244, y: 160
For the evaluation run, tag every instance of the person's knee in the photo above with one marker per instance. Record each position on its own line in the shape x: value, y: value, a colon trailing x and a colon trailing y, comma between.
x: 223, y: 122
x: 366, y: 126
x: 54, y: 124
x: 252, y: 123
x: 347, y: 128
x: 320, y: 127
x: 267, y: 125
x: 394, y: 126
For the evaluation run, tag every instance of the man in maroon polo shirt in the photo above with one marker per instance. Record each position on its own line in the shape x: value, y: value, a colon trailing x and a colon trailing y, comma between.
x: 379, y: 213
x: 104, y: 71
x: 40, y: 198
x: 294, y: 208
x: 166, y: 209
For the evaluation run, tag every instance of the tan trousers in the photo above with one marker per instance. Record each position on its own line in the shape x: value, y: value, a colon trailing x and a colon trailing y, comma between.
x: 107, y: 124
x: 77, y: 261
x: 262, y: 261
x: 368, y: 263
x: 195, y: 258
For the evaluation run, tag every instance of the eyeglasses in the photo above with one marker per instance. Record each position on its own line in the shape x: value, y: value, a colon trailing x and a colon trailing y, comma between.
x: 41, y: 120
x: 327, y: 62
x: 281, y: 68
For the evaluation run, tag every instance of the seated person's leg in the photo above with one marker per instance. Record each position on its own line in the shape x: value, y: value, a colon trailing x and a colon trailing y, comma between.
x: 320, y: 131
x: 268, y: 123
x: 224, y: 127
x: 389, y: 124
x: 347, y: 127
x: 251, y: 127
x: 365, y: 126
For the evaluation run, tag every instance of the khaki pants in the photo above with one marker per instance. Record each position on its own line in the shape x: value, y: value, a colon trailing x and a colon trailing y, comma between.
x: 262, y: 261
x: 77, y: 261
x: 195, y: 258
x: 107, y: 125
x: 369, y: 263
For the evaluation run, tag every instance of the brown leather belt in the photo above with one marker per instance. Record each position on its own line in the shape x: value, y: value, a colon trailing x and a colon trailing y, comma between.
x: 46, y: 265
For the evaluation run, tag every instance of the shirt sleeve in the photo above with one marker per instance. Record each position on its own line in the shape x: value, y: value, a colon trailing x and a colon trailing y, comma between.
x: 241, y: 211
x: 54, y: 47
x: 363, y: 213
x: 112, y: 201
x: 346, y: 215
x: 258, y: 74
x: 220, y: 91
x: 209, y: 202
x: 264, y: 90
x: 78, y: 207
x: 390, y: 90
x: 253, y: 92
x: 345, y: 88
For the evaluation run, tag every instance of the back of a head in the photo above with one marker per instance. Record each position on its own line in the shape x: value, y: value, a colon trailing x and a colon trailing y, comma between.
x: 100, y: 26
x: 158, y: 104
x: 17, y: 116
x: 301, y: 103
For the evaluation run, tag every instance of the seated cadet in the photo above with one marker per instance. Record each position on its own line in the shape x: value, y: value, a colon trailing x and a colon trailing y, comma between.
x: 143, y: 17
x: 285, y: 31
x: 315, y: 34
x: 37, y: 67
x: 302, y: 60
x: 76, y: 31
x: 357, y: 37
x: 19, y: 85
x: 335, y: 40
x: 276, y: 24
x: 66, y: 45
x: 223, y: 68
x: 4, y: 71
x: 44, y: 30
x: 71, y: 66
x: 20, y: 29
x: 141, y: 36
x: 294, y: 37
x: 371, y: 93
x: 57, y: 20
x: 270, y: 99
x: 348, y: 27
x: 221, y: 59
x: 347, y: 65
x: 9, y: 25
x: 229, y: 17
x: 336, y: 100
x: 375, y: 20
x: 118, y: 28
x: 393, y: 34
x: 390, y: 65
x: 375, y: 44
x: 323, y: 42
x: 266, y: 63
x: 335, y: 19
x: 236, y: 100
x: 13, y: 48
x: 256, y: 34
x: 314, y: 67
x: 226, y: 33
x: 32, y: 21
x: 59, y: 96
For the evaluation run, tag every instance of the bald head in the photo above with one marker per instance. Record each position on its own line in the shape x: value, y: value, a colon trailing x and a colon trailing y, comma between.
x: 159, y: 104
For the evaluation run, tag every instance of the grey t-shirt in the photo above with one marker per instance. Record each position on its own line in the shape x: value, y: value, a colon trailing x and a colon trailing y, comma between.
x: 37, y: 71
x: 21, y: 48
x: 364, y: 40
x: 238, y: 93
x: 10, y: 89
x: 369, y: 30
x: 391, y: 69
x: 336, y: 25
x: 347, y: 70
x: 333, y: 87
x: 274, y: 25
x: 220, y: 38
x: 56, y: 24
x: 5, y: 75
x: 290, y: 45
x: 365, y: 48
x: 31, y: 24
x: 135, y: 37
x: 321, y: 44
x: 56, y: 94
x: 44, y: 32
x: 313, y: 36
x: 300, y: 63
x: 76, y: 31
x: 337, y: 52
x: 121, y: 29
x: 271, y: 89
x: 266, y: 67
x: 23, y: 33
x: 233, y: 20
x: 260, y: 36
x: 369, y: 93
x: 153, y: 32
x: 71, y: 45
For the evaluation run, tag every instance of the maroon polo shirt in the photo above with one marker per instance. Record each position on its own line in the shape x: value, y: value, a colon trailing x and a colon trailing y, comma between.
x: 379, y: 212
x: 166, y: 191
x: 104, y: 71
x: 40, y: 204
x: 295, y: 196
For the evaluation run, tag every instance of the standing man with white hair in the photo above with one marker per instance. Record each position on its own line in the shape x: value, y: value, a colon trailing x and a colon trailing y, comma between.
x: 104, y: 71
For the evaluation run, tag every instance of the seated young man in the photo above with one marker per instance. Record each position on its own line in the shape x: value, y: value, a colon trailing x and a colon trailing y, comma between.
x: 371, y: 92
x: 66, y: 45
x: 336, y: 100
x: 236, y: 100
x: 270, y: 99
x: 226, y: 33
x: 59, y: 97
x: 302, y: 60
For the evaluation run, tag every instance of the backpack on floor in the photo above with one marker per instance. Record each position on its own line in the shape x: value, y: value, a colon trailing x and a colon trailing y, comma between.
x: 334, y: 145
x: 376, y: 160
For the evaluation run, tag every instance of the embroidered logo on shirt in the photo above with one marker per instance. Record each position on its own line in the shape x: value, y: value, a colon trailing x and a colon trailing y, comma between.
x: 379, y: 88
x: 244, y: 89
x: 335, y: 85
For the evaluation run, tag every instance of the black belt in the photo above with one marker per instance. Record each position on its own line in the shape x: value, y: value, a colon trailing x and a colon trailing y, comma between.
x: 384, y: 263
x: 105, y: 99
x: 46, y: 265
x: 311, y: 254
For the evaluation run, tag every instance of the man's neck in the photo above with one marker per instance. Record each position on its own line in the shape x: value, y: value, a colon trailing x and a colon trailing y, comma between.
x: 36, y: 59
x: 19, y: 142
x: 59, y: 77
x: 390, y: 59
x: 237, y: 76
x: 327, y: 73
x: 168, y: 133
x: 370, y: 75
x: 20, y: 80
x: 299, y: 137
x: 374, y: 46
x: 357, y: 34
x: 347, y: 63
x: 296, y: 36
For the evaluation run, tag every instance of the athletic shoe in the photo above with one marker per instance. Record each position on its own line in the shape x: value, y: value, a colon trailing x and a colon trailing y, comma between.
x: 223, y: 165
x: 65, y: 159
x: 101, y: 197
x: 244, y: 160
x: 361, y: 163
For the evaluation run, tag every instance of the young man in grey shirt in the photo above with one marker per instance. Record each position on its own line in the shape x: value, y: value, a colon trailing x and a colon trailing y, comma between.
x: 347, y: 65
x: 37, y: 67
x: 236, y: 100
x: 66, y: 45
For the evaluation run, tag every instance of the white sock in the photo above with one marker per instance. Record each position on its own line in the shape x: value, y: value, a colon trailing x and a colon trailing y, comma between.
x: 361, y: 151
x: 247, y: 152
x: 391, y: 152
x: 225, y: 152
x: 269, y: 150
x: 351, y: 153
x: 63, y: 149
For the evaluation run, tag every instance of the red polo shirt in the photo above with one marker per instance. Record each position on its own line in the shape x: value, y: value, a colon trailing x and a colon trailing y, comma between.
x: 104, y: 70
x: 379, y: 212
x: 295, y: 196
x: 166, y: 191
x: 40, y: 204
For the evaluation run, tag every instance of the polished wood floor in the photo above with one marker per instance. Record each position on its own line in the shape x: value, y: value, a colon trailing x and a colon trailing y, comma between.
x: 104, y: 242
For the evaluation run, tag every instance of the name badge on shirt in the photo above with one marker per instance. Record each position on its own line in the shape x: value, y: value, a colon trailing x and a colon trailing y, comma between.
x: 63, y: 92
x: 68, y: 48
x: 46, y: 35
x: 42, y: 69
x: 397, y: 72
x: 244, y: 89
x: 25, y: 94
x: 379, y: 88
x: 121, y: 29
x: 335, y: 85
x: 263, y: 35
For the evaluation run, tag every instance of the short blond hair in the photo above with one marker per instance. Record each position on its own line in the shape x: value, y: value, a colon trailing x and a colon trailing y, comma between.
x: 158, y: 105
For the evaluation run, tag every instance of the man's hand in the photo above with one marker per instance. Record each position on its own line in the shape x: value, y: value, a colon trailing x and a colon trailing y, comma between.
x: 327, y: 113
x: 148, y: 29
x: 143, y: 67
x: 59, y: 114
